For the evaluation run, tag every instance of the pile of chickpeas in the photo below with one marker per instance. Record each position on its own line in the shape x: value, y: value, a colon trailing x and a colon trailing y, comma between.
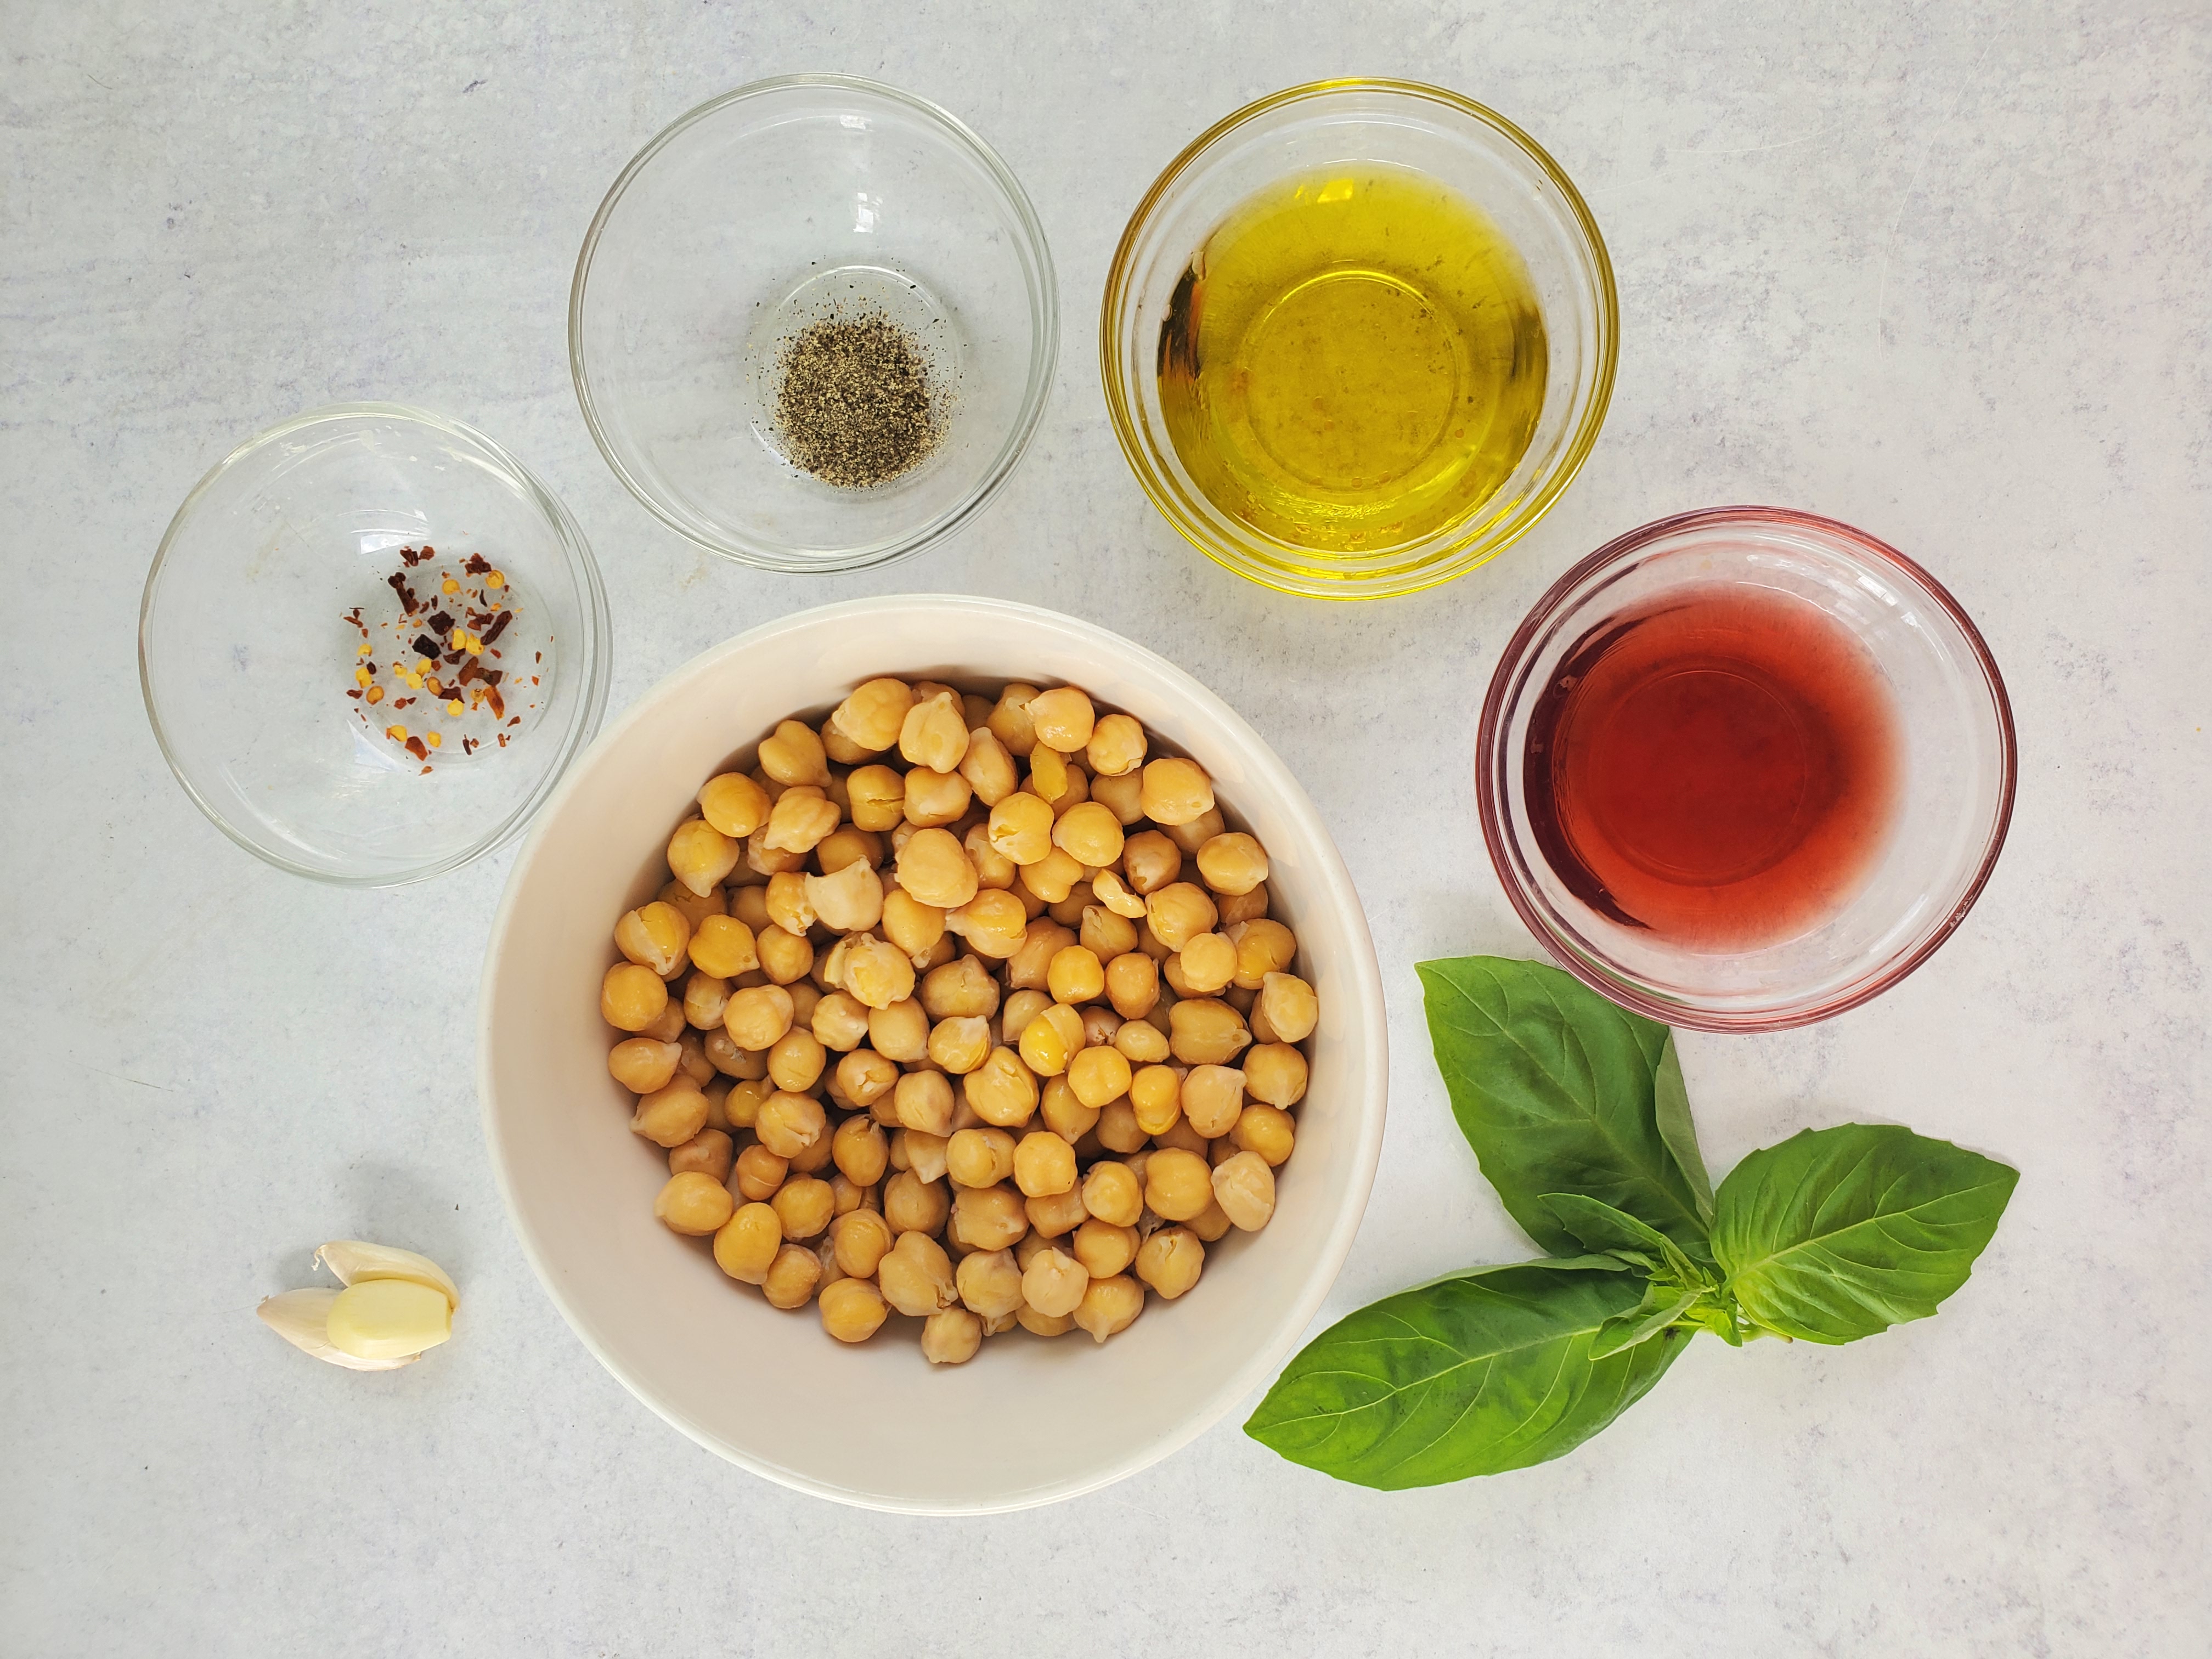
x: 963, y: 1010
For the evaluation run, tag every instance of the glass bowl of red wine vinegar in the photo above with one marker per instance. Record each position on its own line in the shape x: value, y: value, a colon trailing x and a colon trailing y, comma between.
x: 1744, y: 768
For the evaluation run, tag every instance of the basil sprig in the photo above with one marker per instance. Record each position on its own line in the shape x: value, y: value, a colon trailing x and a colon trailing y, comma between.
x: 1578, y: 1116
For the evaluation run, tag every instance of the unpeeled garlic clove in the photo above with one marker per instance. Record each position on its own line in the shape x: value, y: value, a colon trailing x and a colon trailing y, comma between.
x: 302, y: 1319
x: 388, y: 1319
x: 354, y: 1261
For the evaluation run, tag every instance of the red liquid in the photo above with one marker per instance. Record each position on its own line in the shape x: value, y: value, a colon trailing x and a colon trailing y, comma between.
x: 1720, y: 769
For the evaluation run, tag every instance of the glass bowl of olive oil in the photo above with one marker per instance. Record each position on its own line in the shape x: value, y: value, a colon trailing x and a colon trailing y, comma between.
x: 1358, y: 338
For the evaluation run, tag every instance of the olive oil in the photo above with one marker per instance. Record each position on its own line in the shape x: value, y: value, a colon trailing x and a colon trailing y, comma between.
x: 1354, y: 359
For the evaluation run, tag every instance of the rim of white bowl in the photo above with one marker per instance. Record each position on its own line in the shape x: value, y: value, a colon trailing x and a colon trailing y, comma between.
x: 1044, y: 313
x: 595, y: 669
x: 1362, y: 971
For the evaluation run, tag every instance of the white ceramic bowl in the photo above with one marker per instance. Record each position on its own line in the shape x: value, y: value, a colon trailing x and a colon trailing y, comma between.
x: 1028, y: 1421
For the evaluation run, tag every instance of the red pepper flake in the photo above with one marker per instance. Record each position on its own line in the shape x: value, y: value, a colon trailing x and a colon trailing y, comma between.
x: 477, y: 564
x: 498, y: 627
x: 492, y: 697
x: 517, y: 720
x: 440, y: 623
x: 353, y: 691
x: 502, y: 739
x: 399, y: 585
x: 418, y: 749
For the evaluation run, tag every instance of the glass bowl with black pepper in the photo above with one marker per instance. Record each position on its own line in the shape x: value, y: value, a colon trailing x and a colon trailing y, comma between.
x: 371, y: 643
x: 813, y: 324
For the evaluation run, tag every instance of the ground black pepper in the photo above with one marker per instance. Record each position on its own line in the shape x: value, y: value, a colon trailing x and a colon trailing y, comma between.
x: 855, y: 404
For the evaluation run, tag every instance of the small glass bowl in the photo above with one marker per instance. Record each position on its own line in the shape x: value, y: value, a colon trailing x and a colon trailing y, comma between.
x: 246, y: 655
x: 1476, y: 152
x: 735, y: 227
x: 1958, y: 771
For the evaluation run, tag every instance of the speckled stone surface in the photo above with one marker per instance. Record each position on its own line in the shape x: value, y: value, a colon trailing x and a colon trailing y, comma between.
x: 1942, y: 271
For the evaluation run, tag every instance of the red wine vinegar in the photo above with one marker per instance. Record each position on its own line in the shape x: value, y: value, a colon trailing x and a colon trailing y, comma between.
x: 1720, y: 767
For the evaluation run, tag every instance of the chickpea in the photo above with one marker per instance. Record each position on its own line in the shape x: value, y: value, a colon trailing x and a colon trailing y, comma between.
x: 1243, y: 907
x: 1118, y: 1130
x: 875, y: 973
x: 923, y: 1100
x: 1150, y: 861
x: 913, y: 1205
x: 992, y: 867
x: 792, y: 756
x: 933, y: 736
x: 668, y: 1024
x: 1189, y: 837
x: 1156, y: 1092
x: 988, y: 768
x: 838, y: 1023
x: 1202, y: 1031
x: 788, y: 1124
x: 723, y: 947
x: 952, y: 1337
x: 914, y: 928
x: 1275, y: 1073
x: 791, y: 1278
x: 655, y: 936
x: 1179, y: 913
x: 1030, y: 968
x: 848, y: 1195
x: 851, y: 901
x: 1170, y: 1261
x: 1115, y: 748
x: 992, y: 923
x: 1009, y: 719
x: 852, y: 1309
x: 1133, y: 984
x: 935, y: 799
x: 631, y: 997
x: 750, y: 906
x: 960, y: 1045
x: 1021, y: 1007
x: 726, y: 1058
x: 701, y: 856
x: 1122, y: 796
x: 989, y: 1283
x: 758, y: 1015
x: 873, y: 713
x: 1051, y: 1040
x: 1098, y: 1075
x: 1267, y: 1130
x: 692, y: 1061
x: 1062, y: 719
x: 672, y: 1114
x: 785, y: 958
x: 1140, y: 1042
x: 1244, y: 1187
x: 860, y: 1151
x: 1100, y: 1023
x: 1232, y: 863
x: 694, y: 907
x: 1002, y: 1089
x: 1041, y: 1324
x: 705, y: 997
x: 1105, y: 934
x: 916, y: 1275
x: 709, y: 1152
x: 1212, y: 1224
x: 1109, y: 1306
x: 987, y: 1218
x: 801, y: 819
x: 867, y: 1076
x: 1052, y: 1283
x: 861, y: 1239
x: 813, y: 1159
x: 641, y: 1066
x: 1213, y: 1096
x: 1177, y: 1184
x: 1089, y: 833
x: 961, y: 989
x: 877, y: 795
x: 804, y: 1205
x: 1064, y: 1113
x: 1052, y: 878
x: 758, y: 1174
x: 1021, y: 827
x: 1263, y: 947
x: 1103, y: 1249
x: 747, y: 1242
x: 734, y: 804
x: 1288, y: 1004
x: 1179, y: 1136
x: 1055, y: 1214
x: 764, y: 860
x: 1075, y: 974
x: 979, y: 1158
x: 1044, y: 1164
x: 743, y: 1103
x: 693, y: 1203
x: 1049, y: 779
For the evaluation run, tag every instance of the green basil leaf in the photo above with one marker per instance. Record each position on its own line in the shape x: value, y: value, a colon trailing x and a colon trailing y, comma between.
x: 1838, y: 1233
x: 1471, y: 1374
x: 1641, y: 1324
x: 1554, y: 1087
x: 1670, y: 1107
x: 1600, y: 1227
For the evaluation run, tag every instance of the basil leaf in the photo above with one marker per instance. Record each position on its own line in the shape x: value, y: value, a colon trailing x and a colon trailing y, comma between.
x: 1602, y: 1227
x: 1554, y: 1087
x: 1838, y: 1233
x: 1471, y: 1374
x: 1670, y: 1108
x: 1641, y: 1324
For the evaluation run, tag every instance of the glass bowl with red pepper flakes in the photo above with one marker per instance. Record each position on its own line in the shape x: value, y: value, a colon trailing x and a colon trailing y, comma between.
x: 371, y: 643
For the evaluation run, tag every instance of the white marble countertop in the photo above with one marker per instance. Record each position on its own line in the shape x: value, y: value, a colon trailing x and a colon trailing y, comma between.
x: 1943, y: 271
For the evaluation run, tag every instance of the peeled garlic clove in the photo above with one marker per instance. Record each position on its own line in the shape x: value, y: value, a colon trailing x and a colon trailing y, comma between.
x: 302, y: 1319
x: 388, y: 1319
x: 355, y: 1261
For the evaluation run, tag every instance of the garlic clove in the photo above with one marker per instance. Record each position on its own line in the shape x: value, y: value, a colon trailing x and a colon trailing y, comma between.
x: 354, y: 1261
x: 388, y: 1319
x: 302, y: 1319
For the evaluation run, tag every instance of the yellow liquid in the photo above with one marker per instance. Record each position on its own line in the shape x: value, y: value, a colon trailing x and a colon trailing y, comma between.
x: 1354, y: 361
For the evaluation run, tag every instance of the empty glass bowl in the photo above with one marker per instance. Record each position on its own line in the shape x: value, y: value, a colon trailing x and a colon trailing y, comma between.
x: 276, y: 572
x: 1486, y: 161
x: 1952, y: 797
x: 748, y: 219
